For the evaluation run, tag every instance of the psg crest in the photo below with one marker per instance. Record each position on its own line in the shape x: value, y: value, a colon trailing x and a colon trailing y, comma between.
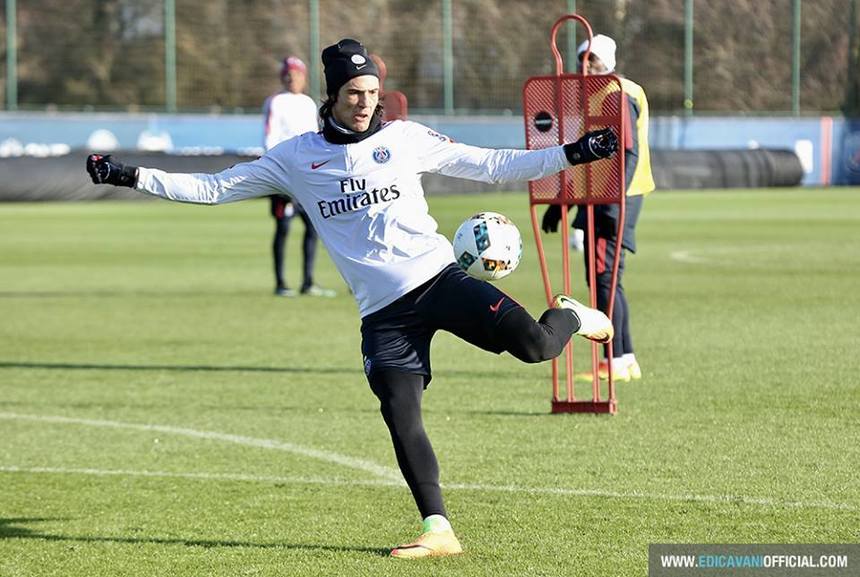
x: 381, y: 154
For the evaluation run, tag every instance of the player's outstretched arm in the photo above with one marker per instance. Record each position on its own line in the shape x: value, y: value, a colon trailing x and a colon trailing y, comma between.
x: 440, y: 154
x: 592, y: 146
x: 239, y: 182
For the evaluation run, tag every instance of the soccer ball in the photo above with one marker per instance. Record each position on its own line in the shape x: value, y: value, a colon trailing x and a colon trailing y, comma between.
x: 488, y: 246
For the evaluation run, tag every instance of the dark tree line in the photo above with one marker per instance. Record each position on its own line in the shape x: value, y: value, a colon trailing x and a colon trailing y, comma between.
x: 110, y: 54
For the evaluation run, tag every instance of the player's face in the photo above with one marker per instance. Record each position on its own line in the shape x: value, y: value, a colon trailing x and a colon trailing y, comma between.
x: 295, y: 81
x: 356, y: 101
x: 595, y: 65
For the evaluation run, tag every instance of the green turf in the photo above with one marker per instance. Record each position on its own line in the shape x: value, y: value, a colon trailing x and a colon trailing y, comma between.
x: 151, y: 329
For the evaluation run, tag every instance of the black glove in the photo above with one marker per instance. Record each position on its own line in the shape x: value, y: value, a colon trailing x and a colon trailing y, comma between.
x: 592, y: 146
x: 551, y: 218
x: 104, y: 170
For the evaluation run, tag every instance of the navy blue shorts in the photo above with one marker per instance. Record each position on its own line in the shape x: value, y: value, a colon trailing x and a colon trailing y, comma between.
x: 398, y: 336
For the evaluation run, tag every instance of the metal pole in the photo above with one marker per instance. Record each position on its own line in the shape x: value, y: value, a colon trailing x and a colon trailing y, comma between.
x: 170, y: 55
x: 448, y: 56
x: 571, y: 38
x: 11, y: 56
x: 851, y: 104
x: 795, y: 58
x: 314, y: 9
x: 688, y: 57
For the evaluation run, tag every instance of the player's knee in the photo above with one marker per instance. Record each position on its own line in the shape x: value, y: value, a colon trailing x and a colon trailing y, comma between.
x: 533, y: 346
x: 532, y: 353
x: 525, y: 338
x: 399, y: 394
x: 396, y: 405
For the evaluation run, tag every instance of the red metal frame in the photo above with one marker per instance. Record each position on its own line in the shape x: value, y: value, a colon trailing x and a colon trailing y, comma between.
x: 603, y: 187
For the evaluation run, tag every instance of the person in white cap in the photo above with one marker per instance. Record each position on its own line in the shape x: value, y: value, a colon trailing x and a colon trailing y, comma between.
x: 286, y: 114
x: 640, y: 182
x: 602, y: 57
x: 359, y: 179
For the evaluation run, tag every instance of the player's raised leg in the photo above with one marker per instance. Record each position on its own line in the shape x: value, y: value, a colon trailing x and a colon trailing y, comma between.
x: 481, y: 314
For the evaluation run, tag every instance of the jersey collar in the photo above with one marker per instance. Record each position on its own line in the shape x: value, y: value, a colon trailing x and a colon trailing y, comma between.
x: 337, y: 134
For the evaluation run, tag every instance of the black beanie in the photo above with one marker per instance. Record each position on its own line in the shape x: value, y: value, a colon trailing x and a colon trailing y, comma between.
x: 344, y: 61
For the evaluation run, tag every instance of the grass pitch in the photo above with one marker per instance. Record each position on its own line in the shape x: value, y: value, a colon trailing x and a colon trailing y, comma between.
x: 163, y: 414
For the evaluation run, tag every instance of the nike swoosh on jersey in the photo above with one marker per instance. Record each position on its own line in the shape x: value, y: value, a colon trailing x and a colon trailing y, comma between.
x: 316, y: 165
x: 495, y: 307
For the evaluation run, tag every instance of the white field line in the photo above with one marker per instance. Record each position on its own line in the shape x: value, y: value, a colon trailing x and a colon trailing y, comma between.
x: 687, y: 256
x: 724, y: 255
x: 320, y: 455
x: 549, y: 491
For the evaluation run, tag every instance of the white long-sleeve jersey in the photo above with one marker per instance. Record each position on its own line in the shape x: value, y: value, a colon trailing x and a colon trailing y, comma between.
x: 287, y: 115
x: 364, y: 199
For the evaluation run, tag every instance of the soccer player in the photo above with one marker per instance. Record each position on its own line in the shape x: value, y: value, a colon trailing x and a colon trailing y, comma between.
x: 360, y: 181
x: 640, y: 182
x: 395, y: 106
x: 287, y: 114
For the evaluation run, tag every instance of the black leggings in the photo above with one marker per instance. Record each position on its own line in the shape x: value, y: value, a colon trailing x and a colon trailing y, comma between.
x: 536, y: 341
x: 400, y: 393
x: 309, y: 248
x: 399, y: 397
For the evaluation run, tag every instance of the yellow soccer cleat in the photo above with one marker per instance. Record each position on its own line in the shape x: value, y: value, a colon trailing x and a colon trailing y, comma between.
x: 430, y: 544
x: 593, y: 324
x: 635, y: 371
x: 623, y: 375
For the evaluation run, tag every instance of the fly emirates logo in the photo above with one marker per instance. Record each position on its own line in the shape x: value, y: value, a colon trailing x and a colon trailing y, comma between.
x: 356, y: 196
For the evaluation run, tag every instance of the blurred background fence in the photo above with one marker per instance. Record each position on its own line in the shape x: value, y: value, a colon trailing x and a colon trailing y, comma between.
x: 448, y: 56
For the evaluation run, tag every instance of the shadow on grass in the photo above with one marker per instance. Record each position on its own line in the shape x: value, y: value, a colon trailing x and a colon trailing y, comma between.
x: 488, y: 375
x: 101, y: 294
x: 9, y: 529
x: 9, y: 526
x: 189, y: 368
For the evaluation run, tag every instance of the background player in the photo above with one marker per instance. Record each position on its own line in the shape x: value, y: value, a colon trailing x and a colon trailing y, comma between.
x: 395, y: 106
x: 288, y: 114
x: 637, y: 169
